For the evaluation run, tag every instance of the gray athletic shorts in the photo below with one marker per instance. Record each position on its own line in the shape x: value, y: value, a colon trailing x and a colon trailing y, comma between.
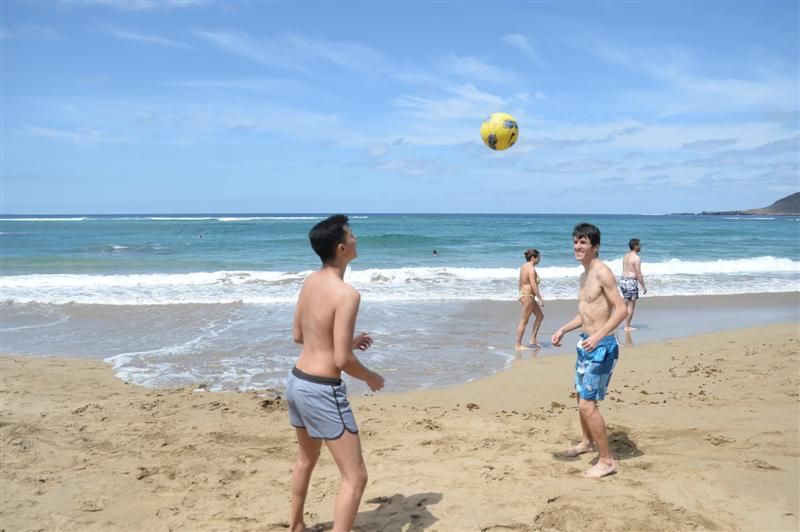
x: 319, y: 405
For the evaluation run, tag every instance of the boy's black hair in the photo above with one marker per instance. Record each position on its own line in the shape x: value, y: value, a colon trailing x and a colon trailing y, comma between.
x: 326, y: 235
x: 633, y: 243
x: 589, y: 231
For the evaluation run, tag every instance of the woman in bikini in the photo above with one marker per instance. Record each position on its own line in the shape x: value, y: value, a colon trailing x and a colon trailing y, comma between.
x: 528, y: 294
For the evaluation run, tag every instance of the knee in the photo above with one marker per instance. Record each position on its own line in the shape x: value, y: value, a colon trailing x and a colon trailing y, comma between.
x: 358, y: 479
x: 587, y: 408
x: 306, y: 463
x: 362, y: 478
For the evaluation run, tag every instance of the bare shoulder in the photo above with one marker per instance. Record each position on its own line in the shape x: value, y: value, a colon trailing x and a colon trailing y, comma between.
x: 604, y: 273
x: 345, y: 293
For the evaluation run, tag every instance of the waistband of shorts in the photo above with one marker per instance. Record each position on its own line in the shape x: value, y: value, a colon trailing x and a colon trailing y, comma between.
x: 610, y: 338
x: 314, y: 378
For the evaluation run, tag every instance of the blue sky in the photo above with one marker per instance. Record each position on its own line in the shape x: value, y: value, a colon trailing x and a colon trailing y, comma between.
x: 199, y: 106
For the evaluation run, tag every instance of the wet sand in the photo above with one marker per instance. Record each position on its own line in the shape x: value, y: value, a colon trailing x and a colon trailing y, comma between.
x: 705, y: 430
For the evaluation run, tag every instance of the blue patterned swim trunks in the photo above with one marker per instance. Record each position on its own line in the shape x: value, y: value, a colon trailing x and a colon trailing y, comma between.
x: 629, y: 287
x: 593, y: 369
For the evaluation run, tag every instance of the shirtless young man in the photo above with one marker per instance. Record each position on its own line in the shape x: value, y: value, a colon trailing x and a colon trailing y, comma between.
x: 600, y: 311
x: 528, y: 293
x: 324, y: 322
x: 631, y: 274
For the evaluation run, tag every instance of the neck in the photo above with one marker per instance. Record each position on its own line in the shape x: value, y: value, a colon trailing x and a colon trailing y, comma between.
x: 336, y: 267
x: 588, y: 263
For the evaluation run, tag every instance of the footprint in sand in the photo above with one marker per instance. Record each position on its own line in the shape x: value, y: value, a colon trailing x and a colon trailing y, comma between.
x: 719, y: 440
x: 761, y: 464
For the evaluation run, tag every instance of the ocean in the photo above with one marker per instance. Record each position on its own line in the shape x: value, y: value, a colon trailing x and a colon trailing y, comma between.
x: 172, y: 300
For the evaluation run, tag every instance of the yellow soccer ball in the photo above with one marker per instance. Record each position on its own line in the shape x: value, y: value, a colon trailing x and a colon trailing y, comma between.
x: 499, y: 131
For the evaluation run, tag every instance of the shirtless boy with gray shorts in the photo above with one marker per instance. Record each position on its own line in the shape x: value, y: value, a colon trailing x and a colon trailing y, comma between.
x: 324, y: 323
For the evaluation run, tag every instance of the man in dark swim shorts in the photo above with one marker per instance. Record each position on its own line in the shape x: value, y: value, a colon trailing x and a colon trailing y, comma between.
x: 631, y: 279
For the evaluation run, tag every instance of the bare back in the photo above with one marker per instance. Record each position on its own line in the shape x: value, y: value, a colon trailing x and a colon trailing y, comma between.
x: 323, y: 299
x: 631, y: 265
x: 596, y: 297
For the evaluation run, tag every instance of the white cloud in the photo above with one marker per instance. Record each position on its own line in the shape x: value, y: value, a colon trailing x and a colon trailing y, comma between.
x: 415, y: 167
x: 708, y: 144
x: 687, y: 91
x: 28, y: 32
x: 263, y: 51
x: 475, y: 69
x: 377, y: 149
x: 464, y: 101
x: 139, y: 5
x: 350, y: 56
x: 136, y: 36
x: 246, y: 85
x: 524, y: 45
x: 80, y: 136
x: 296, y: 52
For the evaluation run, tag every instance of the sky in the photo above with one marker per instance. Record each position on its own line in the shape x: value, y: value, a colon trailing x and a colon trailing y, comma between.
x: 190, y: 106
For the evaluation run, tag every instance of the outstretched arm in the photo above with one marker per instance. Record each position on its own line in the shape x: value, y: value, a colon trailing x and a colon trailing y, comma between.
x: 344, y: 323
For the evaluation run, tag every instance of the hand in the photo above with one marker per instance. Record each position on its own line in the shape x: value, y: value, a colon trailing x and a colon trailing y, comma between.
x: 590, y: 343
x: 541, y: 302
x: 644, y: 290
x: 362, y: 342
x: 374, y: 381
x: 556, y: 338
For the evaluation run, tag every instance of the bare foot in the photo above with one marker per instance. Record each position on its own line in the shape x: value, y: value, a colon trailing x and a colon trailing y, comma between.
x: 578, y: 450
x: 520, y: 347
x: 630, y: 328
x: 534, y: 343
x: 600, y: 470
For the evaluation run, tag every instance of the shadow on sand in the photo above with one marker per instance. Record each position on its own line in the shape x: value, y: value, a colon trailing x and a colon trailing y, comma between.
x: 622, y: 447
x: 394, y: 514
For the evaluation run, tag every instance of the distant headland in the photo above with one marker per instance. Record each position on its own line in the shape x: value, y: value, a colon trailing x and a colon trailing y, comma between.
x: 788, y: 206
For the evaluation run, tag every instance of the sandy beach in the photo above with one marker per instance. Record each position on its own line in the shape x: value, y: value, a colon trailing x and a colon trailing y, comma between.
x: 705, y: 430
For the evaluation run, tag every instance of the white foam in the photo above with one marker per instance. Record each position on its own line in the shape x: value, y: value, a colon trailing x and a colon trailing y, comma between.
x: 59, y: 321
x: 171, y: 218
x: 251, y: 218
x: 672, y: 277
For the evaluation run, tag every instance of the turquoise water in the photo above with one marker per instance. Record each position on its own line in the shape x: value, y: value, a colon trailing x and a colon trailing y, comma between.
x: 171, y: 300
x: 186, y: 244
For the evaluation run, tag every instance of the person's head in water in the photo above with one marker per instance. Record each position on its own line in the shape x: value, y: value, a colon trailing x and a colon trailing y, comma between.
x: 582, y: 235
x: 532, y: 254
x: 634, y: 244
x: 332, y: 235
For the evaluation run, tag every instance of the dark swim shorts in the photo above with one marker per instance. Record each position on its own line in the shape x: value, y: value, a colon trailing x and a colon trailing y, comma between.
x: 319, y: 405
x: 593, y: 369
x: 629, y: 287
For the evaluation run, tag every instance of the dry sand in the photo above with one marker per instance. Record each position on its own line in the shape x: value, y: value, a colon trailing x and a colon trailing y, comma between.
x: 705, y: 430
